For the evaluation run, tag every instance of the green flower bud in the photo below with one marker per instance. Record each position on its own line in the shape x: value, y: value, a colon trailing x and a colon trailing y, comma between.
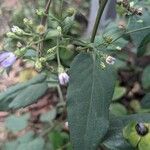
x: 59, y: 29
x: 28, y: 22
x: 38, y: 65
x: 17, y: 30
x: 12, y: 35
x: 135, y: 105
x: 40, y: 12
x: 70, y: 47
x: 52, y: 50
x: 42, y: 59
x: 70, y: 12
x: 20, y: 52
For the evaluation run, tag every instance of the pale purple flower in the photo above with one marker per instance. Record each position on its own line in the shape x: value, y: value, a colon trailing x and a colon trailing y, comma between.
x: 110, y: 60
x: 7, y: 59
x: 63, y: 78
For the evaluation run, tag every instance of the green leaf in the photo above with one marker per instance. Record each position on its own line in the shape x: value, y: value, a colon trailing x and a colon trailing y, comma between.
x: 143, y: 48
x: 37, y: 79
x: 146, y: 78
x: 89, y: 95
x: 68, y: 24
x: 119, y: 92
x: 118, y: 109
x: 10, y: 145
x: 29, y: 95
x: 56, y: 139
x: 48, y: 116
x: 137, y: 22
x: 52, y: 34
x: 36, y: 144
x: 26, y: 138
x: 145, y: 103
x: 15, y: 124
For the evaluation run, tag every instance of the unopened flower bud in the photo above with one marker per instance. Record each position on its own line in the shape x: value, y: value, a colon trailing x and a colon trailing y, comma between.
x: 42, y: 59
x: 71, y: 47
x: 62, y: 76
x: 38, y: 65
x: 110, y: 60
x: 40, y: 12
x: 59, y: 29
x: 11, y: 35
x: 20, y: 52
x: 17, y: 30
x: 28, y: 22
x: 103, y: 65
x: 70, y: 12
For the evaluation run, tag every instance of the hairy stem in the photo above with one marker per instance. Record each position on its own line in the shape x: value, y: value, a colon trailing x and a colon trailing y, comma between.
x: 44, y: 19
x: 137, y: 30
x: 98, y: 18
x: 132, y: 31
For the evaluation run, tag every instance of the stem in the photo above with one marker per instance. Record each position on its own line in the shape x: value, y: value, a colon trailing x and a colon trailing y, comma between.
x: 61, y: 8
x: 98, y: 18
x: 58, y: 57
x: 132, y: 31
x: 137, y: 30
x: 44, y: 19
x: 60, y: 94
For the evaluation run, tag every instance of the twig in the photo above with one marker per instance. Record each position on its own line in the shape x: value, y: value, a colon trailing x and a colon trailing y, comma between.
x: 98, y: 18
x: 44, y: 19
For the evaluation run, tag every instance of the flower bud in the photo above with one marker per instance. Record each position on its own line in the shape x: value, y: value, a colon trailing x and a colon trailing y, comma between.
x: 70, y: 47
x: 62, y: 76
x: 59, y: 29
x: 11, y: 35
x: 38, y: 65
x: 40, y: 12
x: 28, y: 22
x: 17, y: 30
x: 42, y: 59
x: 70, y: 12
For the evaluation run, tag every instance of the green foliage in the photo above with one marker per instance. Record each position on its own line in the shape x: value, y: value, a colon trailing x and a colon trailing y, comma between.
x: 136, y: 22
x: 89, y: 102
x: 143, y: 49
x: 146, y: 101
x: 48, y: 116
x: 118, y: 109
x: 29, y: 95
x: 15, y: 96
x: 15, y: 124
x: 146, y: 78
x: 118, y: 93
